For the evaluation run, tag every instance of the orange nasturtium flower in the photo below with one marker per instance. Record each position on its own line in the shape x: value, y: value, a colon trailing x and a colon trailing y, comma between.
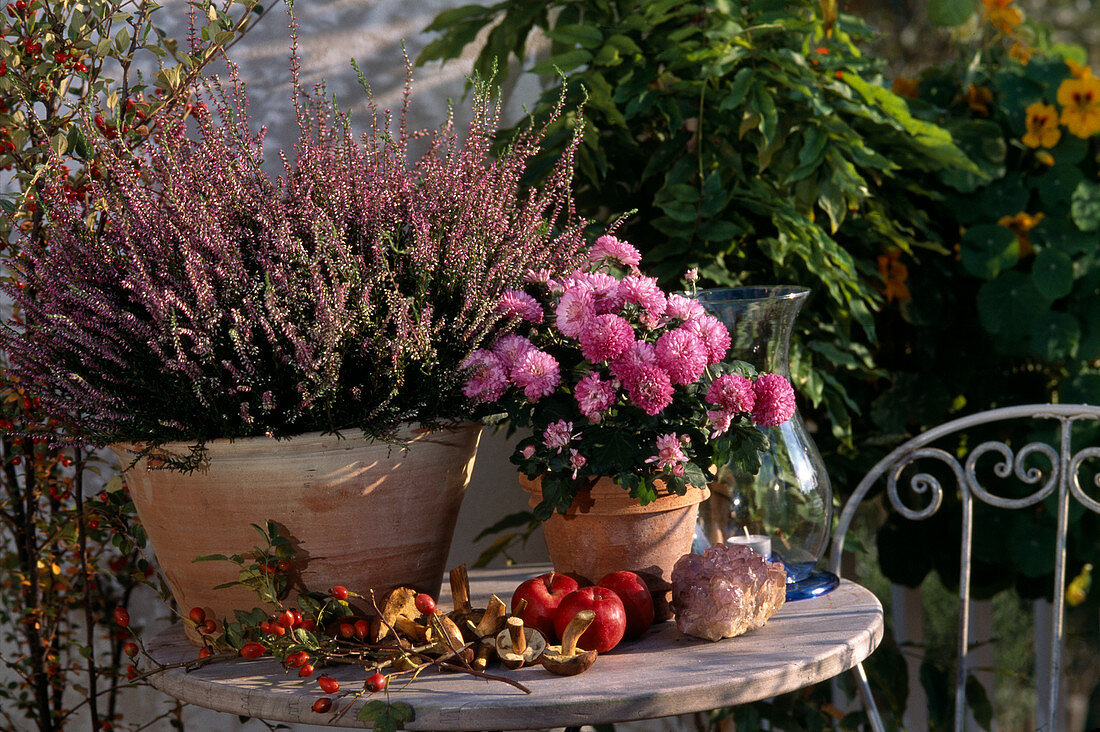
x: 1077, y: 70
x: 1020, y: 224
x: 1002, y: 15
x: 1080, y: 100
x: 1021, y: 52
x: 903, y: 86
x: 978, y: 98
x: 894, y: 274
x: 1042, y: 125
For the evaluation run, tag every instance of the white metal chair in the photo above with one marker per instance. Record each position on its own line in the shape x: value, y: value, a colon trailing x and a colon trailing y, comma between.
x: 1058, y: 477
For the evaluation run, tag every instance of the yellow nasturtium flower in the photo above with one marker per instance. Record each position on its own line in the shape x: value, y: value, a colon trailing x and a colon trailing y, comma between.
x: 1078, y: 588
x: 1002, y: 15
x: 1077, y: 70
x: 1080, y: 100
x: 1042, y: 125
x: 1021, y: 52
x: 1021, y: 224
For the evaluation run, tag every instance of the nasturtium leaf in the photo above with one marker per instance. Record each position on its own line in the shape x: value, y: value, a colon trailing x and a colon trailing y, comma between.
x: 1032, y: 551
x: 1070, y: 150
x: 949, y: 13
x: 1010, y: 304
x: 1085, y: 206
x: 1004, y: 197
x: 987, y: 249
x: 1057, y: 184
x: 1053, y: 273
x: 1055, y: 336
x: 983, y: 142
x: 1061, y: 234
x: 1084, y: 388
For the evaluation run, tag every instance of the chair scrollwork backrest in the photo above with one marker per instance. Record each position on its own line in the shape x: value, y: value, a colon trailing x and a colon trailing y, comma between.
x: 1060, y: 479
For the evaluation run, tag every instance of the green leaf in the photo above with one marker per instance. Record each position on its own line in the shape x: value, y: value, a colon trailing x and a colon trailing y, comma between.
x: 978, y: 701
x: 1056, y: 336
x: 211, y: 558
x: 1085, y: 206
x: 1010, y: 304
x: 988, y: 249
x: 1057, y: 185
x: 949, y: 13
x: 577, y: 35
x: 1053, y: 273
x: 454, y: 16
x: 511, y: 521
x: 1060, y: 233
x: 562, y: 63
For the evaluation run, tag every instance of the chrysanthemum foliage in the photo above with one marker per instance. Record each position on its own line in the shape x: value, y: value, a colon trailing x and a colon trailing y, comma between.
x: 217, y: 301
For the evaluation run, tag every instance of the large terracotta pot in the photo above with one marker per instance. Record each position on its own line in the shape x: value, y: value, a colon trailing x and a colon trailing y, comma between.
x: 360, y: 513
x: 605, y: 530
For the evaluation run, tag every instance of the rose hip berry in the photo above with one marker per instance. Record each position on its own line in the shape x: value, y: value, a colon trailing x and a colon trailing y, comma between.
x: 130, y: 649
x: 362, y: 627
x: 322, y: 705
x: 328, y: 684
x: 252, y: 650
x: 286, y: 619
x: 197, y: 615
x: 306, y: 670
x: 122, y: 617
x: 205, y: 653
x: 425, y: 604
x: 376, y: 682
x: 340, y: 592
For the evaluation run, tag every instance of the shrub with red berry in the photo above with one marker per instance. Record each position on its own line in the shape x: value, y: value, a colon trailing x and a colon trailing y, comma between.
x: 70, y: 557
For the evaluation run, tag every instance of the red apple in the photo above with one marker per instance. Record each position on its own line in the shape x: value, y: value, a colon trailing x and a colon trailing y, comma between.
x: 610, y: 624
x: 637, y: 600
x: 542, y: 593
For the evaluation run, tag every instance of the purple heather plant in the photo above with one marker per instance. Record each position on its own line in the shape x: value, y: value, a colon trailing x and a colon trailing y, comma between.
x: 615, y: 378
x: 212, y: 301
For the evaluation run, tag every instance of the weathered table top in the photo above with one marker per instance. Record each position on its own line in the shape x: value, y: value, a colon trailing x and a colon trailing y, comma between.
x: 663, y: 673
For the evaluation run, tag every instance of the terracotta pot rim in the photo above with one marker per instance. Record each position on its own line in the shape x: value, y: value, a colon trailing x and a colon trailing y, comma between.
x: 406, y: 434
x: 608, y: 498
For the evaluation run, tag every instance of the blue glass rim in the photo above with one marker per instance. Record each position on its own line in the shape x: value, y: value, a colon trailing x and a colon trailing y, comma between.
x: 719, y: 295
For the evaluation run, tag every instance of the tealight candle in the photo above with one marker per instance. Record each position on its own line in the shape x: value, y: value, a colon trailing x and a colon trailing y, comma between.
x: 759, y: 543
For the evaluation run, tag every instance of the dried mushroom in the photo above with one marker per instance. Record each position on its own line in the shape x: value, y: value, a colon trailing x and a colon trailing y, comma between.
x: 518, y: 646
x: 567, y: 659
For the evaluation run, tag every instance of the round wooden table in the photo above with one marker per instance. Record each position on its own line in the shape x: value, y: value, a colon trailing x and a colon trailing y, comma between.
x: 663, y: 673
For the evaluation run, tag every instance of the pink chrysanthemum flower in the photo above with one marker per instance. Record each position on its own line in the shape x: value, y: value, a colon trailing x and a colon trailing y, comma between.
x: 669, y: 453
x: 488, y: 377
x: 517, y: 303
x: 683, y: 308
x: 510, y: 348
x: 682, y: 355
x: 638, y: 354
x: 605, y: 291
x: 528, y: 452
x: 774, y: 400
x: 644, y: 292
x: 713, y: 333
x: 558, y: 435
x: 606, y: 337
x: 537, y: 373
x: 650, y: 389
x: 732, y: 392
x: 608, y: 247
x: 720, y: 421
x: 575, y: 310
x: 594, y: 396
x: 577, y: 461
x: 692, y: 274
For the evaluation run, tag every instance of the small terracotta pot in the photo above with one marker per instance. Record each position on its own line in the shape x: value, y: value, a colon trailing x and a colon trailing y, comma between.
x: 605, y: 530
x: 364, y: 514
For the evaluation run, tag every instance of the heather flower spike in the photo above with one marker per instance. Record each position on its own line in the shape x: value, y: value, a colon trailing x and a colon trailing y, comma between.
x: 359, y: 289
x: 617, y: 378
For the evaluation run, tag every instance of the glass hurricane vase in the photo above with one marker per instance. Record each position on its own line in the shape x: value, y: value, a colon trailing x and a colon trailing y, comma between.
x: 790, y: 499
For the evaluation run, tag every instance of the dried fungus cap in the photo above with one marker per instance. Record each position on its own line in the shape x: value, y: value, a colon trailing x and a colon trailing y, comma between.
x: 567, y: 659
x: 518, y: 646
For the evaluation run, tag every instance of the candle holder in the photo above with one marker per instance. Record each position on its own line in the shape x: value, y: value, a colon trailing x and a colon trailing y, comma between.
x: 790, y: 500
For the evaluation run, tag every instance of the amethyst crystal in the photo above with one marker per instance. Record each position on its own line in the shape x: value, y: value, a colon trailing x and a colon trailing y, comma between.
x: 726, y: 591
